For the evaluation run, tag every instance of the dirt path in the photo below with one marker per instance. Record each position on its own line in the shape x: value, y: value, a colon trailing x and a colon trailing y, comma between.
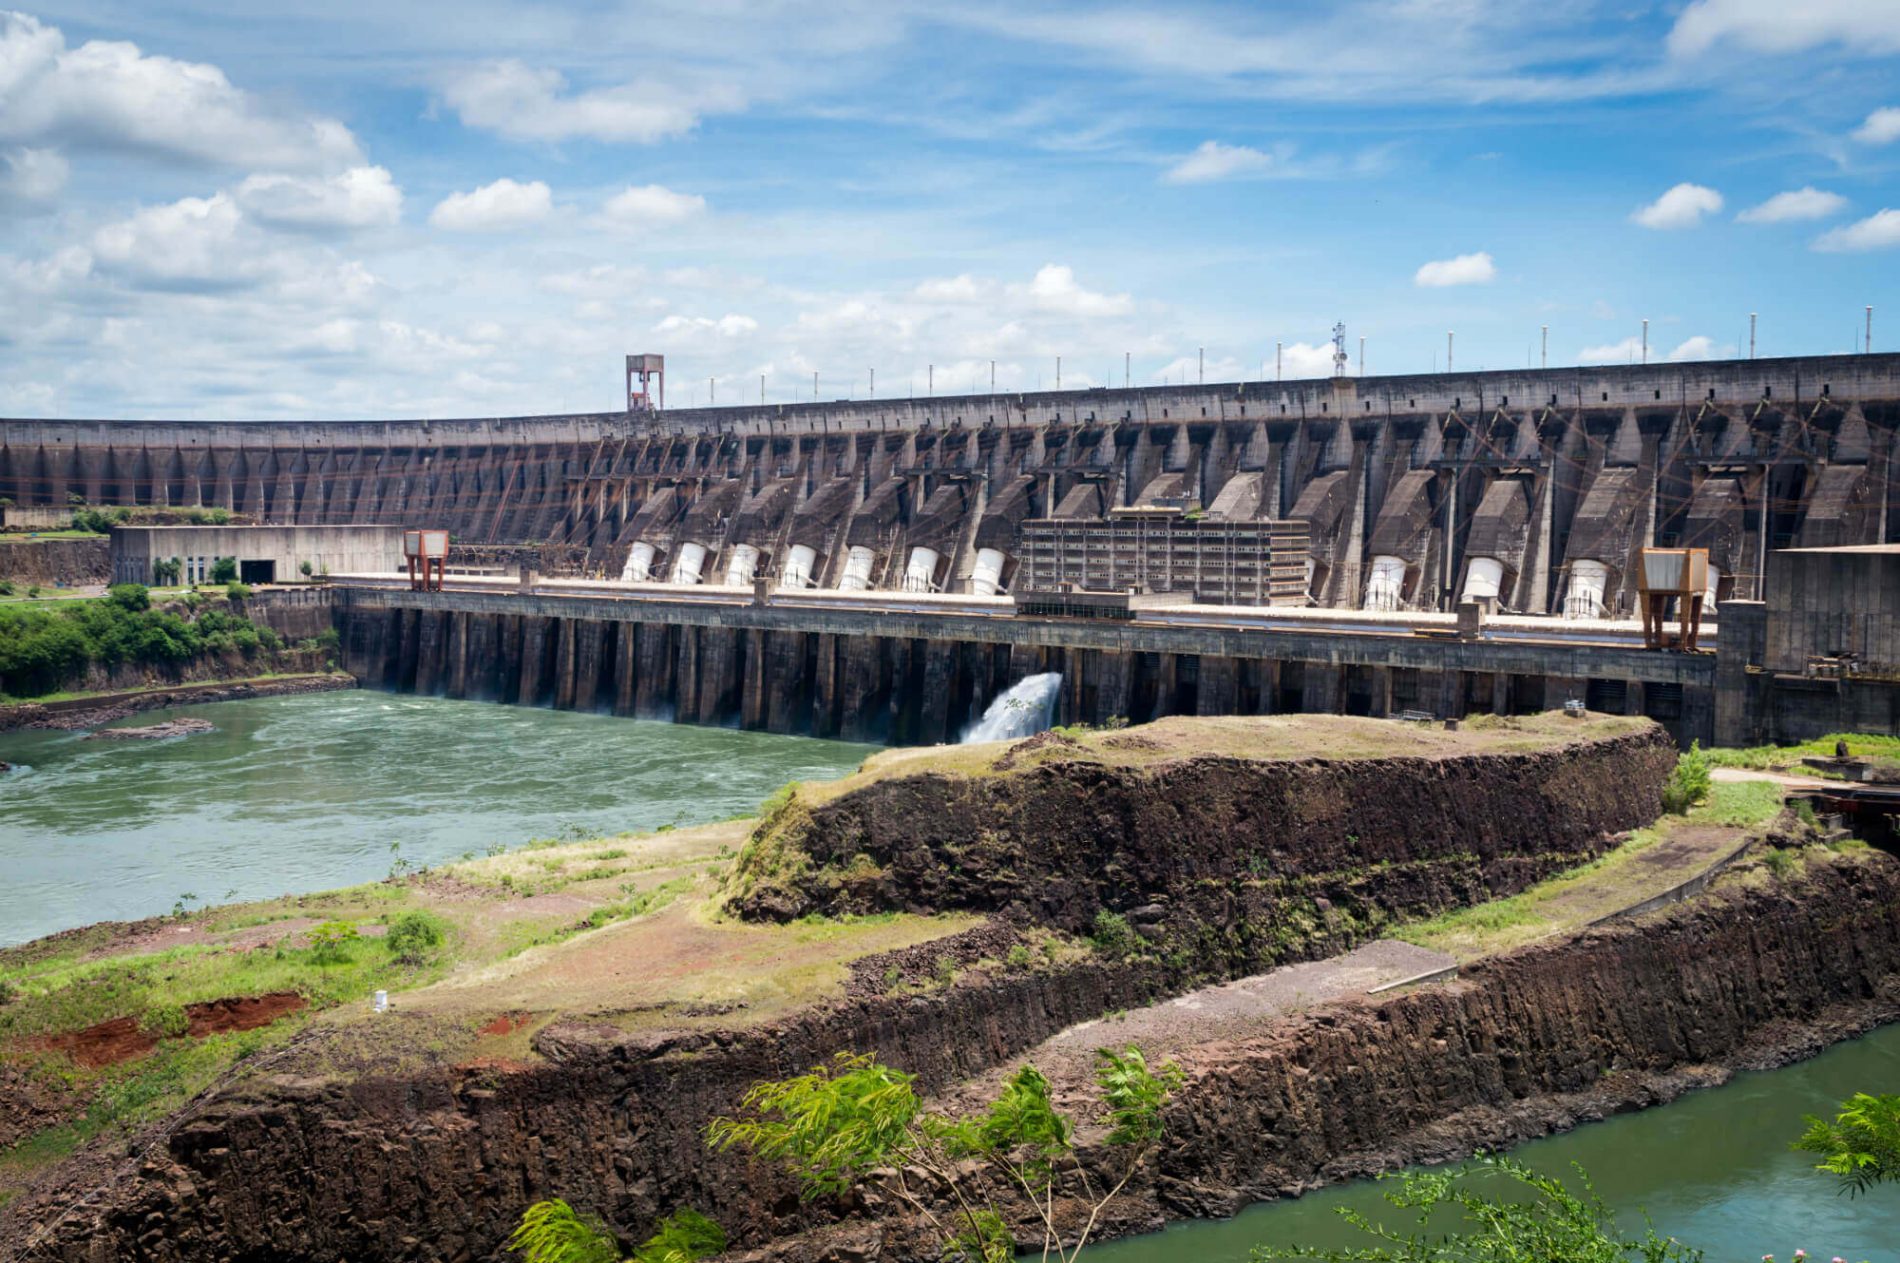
x: 1232, y: 1010
x: 1786, y: 779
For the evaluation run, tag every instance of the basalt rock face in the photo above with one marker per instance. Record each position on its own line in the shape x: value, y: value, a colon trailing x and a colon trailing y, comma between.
x: 1222, y: 841
x: 66, y: 563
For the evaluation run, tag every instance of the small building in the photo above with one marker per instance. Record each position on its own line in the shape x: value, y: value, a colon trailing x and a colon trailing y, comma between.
x: 264, y: 554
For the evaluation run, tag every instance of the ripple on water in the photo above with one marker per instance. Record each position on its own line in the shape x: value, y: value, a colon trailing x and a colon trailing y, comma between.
x: 301, y: 793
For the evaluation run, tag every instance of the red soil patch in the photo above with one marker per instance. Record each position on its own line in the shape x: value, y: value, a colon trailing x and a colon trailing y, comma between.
x: 122, y: 1038
x: 507, y: 1023
x: 240, y: 1013
x: 104, y: 1044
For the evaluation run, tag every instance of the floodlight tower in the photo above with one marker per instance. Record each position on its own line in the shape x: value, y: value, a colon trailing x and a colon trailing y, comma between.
x: 643, y: 369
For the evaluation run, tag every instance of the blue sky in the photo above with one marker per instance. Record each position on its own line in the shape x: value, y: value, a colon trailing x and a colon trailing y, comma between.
x: 229, y: 210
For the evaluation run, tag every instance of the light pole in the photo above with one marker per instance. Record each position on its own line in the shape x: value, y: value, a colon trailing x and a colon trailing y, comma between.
x: 1362, y: 355
x: 1543, y: 356
x: 1449, y: 335
x: 1751, y: 335
x: 1058, y: 372
x: 1277, y: 348
x: 873, y: 383
x: 1645, y: 341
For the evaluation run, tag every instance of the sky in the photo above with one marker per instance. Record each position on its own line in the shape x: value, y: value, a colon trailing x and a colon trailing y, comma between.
x: 224, y: 210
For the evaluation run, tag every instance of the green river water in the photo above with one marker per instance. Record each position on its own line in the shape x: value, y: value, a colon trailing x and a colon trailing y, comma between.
x: 294, y: 794
x: 1712, y: 1169
x: 301, y: 793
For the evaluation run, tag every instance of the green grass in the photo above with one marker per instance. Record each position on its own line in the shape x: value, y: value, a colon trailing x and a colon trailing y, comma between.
x: 10, y: 537
x: 1776, y: 758
x: 1553, y: 905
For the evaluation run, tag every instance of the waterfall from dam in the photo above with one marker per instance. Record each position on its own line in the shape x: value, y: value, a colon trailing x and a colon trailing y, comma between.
x: 1024, y: 710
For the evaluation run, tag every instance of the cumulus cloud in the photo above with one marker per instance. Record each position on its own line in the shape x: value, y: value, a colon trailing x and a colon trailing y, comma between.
x: 493, y: 207
x: 523, y: 102
x: 192, y: 243
x: 1054, y: 289
x: 962, y: 288
x: 1214, y: 161
x: 1465, y: 269
x: 1796, y: 204
x: 1878, y: 231
x: 32, y: 175
x: 726, y: 326
x: 1772, y: 26
x: 108, y: 94
x: 651, y: 206
x: 1628, y: 351
x: 1302, y: 359
x: 1701, y: 347
x: 1681, y: 207
x: 1881, y: 128
x: 361, y: 197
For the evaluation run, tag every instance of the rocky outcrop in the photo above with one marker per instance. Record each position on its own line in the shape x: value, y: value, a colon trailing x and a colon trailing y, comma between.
x: 434, y: 1165
x: 1223, y: 841
x: 65, y: 563
x: 91, y: 712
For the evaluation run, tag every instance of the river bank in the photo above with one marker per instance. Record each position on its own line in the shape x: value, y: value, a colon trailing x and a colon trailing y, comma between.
x: 92, y: 710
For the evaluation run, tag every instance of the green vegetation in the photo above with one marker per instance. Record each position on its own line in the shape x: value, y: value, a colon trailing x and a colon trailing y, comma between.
x: 1571, y: 900
x: 1553, y: 1226
x: 42, y: 648
x: 224, y: 570
x: 414, y: 936
x: 1113, y: 937
x: 235, y: 591
x: 1689, y: 783
x: 101, y: 520
x: 1861, y: 1147
x: 1861, y: 745
x: 166, y: 570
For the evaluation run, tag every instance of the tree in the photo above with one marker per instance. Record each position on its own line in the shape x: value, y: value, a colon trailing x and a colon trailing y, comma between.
x: 306, y: 568
x: 1555, y: 1226
x: 165, y: 571
x: 224, y: 570
x: 130, y: 597
x: 1861, y: 1146
x: 857, y: 1121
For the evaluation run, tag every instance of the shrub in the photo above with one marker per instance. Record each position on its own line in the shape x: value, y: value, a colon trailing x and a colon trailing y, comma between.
x: 330, y: 942
x: 306, y: 568
x: 1019, y: 957
x: 6, y: 587
x: 1113, y: 936
x: 414, y: 936
x: 1690, y: 783
x: 166, y: 570
x: 167, y: 1021
x: 224, y: 570
x: 131, y: 597
x: 8, y: 993
x: 235, y: 591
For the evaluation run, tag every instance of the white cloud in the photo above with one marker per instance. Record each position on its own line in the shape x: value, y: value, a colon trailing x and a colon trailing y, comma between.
x: 1876, y: 232
x: 651, y: 205
x: 1465, y: 269
x: 191, y: 243
x: 1701, y: 347
x: 1628, y: 351
x: 1796, y: 204
x: 727, y: 326
x: 1054, y: 289
x: 32, y: 175
x: 107, y: 94
x: 361, y: 197
x: 1882, y: 127
x: 1300, y: 359
x: 1214, y: 161
x: 525, y: 103
x: 1681, y: 207
x: 1774, y: 26
x: 492, y: 207
x: 962, y: 288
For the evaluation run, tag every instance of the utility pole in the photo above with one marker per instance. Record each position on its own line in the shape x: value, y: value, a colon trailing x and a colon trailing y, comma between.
x: 712, y: 390
x: 1751, y: 335
x: 761, y: 390
x: 814, y: 385
x: 873, y: 383
x: 992, y: 377
x: 930, y: 381
x: 1058, y: 372
x: 1543, y: 356
x: 1362, y: 355
x: 1200, y: 371
x: 1276, y: 361
x: 1870, y: 330
x: 1127, y: 359
x: 1449, y: 335
x: 1645, y: 341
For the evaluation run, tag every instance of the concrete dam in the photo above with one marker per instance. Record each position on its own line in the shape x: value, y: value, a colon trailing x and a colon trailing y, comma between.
x: 1528, y: 493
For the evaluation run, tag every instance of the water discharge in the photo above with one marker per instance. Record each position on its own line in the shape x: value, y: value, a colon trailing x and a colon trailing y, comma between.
x: 293, y: 794
x: 1028, y: 707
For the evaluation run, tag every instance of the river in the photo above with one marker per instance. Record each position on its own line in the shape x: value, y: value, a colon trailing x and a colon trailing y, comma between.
x: 1712, y: 1169
x: 294, y: 794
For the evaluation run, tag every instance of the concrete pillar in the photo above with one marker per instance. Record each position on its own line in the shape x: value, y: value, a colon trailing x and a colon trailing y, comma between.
x: 939, y: 686
x: 626, y: 667
x: 654, y: 680
x: 1219, y: 692
x: 787, y: 691
x: 1381, y: 692
x: 1323, y: 690
x: 825, y: 687
x: 587, y: 644
x: 752, y: 696
x: 534, y: 656
x: 864, y: 675
x: 408, y: 650
x: 455, y: 683
x: 1114, y: 673
x: 686, y: 668
x: 1739, y: 719
x: 1501, y: 693
x: 565, y: 651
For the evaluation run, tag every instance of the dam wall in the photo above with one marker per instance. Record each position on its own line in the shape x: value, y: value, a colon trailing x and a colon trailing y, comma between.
x: 920, y: 678
x: 1541, y: 484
